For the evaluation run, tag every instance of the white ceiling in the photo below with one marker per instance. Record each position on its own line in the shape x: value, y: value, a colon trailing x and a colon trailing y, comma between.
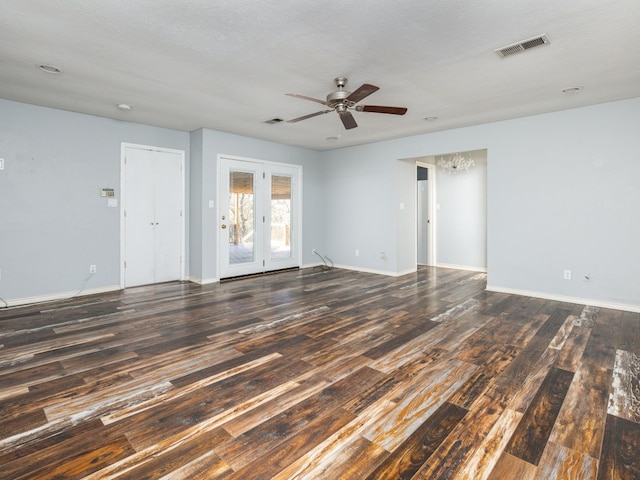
x: 226, y: 65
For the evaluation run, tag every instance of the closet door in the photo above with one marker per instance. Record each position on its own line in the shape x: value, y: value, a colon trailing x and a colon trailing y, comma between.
x: 153, y: 215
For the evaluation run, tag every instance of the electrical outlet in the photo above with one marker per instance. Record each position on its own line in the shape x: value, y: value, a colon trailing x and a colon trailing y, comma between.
x: 357, y: 252
x: 92, y: 269
x: 383, y: 256
x: 313, y: 251
x: 567, y: 274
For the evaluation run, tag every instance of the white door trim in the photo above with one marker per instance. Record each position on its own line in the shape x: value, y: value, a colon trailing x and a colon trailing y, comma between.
x: 123, y: 154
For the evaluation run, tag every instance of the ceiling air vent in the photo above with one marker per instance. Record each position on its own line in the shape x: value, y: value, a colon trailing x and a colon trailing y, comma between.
x: 274, y: 121
x: 522, y: 46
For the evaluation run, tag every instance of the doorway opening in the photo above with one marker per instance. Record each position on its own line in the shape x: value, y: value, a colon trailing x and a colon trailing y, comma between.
x: 452, y: 227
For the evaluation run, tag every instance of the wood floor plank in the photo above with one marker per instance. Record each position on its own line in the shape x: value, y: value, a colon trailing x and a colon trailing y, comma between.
x: 79, y: 464
x: 176, y: 413
x: 508, y: 467
x: 282, y: 401
x: 601, y: 347
x: 624, y: 398
x: 313, y: 374
x: 71, y: 456
x: 561, y: 462
x: 571, y: 353
x: 531, y: 436
x: 405, y: 460
x: 481, y: 463
x: 280, y: 457
x: 54, y: 442
x: 459, y: 447
x: 187, y: 453
x: 417, y: 403
x: 338, y: 449
x: 580, y: 422
x: 620, y: 450
x: 23, y: 422
x: 521, y: 399
x: 515, y: 374
x: 283, y: 425
x: 629, y: 334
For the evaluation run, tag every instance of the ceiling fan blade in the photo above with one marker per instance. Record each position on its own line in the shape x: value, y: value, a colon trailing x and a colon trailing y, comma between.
x: 381, y: 109
x: 311, y: 115
x: 362, y: 92
x: 304, y: 97
x: 348, y: 121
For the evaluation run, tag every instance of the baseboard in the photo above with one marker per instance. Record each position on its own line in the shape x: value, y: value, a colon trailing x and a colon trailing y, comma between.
x: 377, y: 272
x: 53, y: 297
x: 201, y: 281
x: 462, y: 267
x: 563, y: 298
x: 312, y: 265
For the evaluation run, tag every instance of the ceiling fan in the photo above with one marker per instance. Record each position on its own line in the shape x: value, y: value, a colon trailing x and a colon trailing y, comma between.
x: 342, y: 101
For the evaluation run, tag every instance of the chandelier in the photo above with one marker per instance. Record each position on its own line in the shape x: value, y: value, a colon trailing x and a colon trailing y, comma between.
x: 455, y: 163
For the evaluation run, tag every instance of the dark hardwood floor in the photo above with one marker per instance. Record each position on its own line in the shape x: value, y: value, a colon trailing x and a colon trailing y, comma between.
x: 320, y: 375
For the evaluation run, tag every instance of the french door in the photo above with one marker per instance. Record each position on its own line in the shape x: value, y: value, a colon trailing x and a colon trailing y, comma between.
x: 259, y: 217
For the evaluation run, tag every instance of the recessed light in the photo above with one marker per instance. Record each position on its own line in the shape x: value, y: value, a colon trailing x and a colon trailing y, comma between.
x: 50, y: 69
x: 572, y: 90
x: 430, y: 119
x: 124, y: 107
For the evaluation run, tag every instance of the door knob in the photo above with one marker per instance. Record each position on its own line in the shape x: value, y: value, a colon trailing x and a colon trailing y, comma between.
x: 224, y: 226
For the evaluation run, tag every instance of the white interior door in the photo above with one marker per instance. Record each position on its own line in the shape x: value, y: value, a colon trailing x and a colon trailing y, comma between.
x: 423, y: 222
x: 425, y: 215
x: 153, y: 202
x: 258, y: 218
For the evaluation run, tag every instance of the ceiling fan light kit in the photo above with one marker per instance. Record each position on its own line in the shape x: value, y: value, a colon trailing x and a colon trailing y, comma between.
x: 342, y: 101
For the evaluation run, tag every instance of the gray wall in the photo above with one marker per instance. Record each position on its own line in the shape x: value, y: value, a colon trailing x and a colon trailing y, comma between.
x: 53, y: 222
x: 562, y: 193
x: 361, y: 208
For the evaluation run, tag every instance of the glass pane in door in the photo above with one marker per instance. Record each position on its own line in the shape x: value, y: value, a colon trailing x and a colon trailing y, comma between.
x: 280, y: 216
x: 241, y: 217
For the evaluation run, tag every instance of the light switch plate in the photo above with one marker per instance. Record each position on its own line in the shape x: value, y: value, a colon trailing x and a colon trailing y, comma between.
x: 112, y: 202
x: 1, y: 163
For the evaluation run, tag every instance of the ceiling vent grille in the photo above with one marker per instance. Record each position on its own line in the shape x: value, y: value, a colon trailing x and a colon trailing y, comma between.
x: 274, y: 121
x: 522, y: 46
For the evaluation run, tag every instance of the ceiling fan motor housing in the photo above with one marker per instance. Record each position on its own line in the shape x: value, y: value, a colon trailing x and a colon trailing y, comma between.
x: 338, y: 99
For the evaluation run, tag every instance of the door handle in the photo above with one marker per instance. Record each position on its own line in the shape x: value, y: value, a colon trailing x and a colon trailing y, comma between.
x: 224, y: 226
